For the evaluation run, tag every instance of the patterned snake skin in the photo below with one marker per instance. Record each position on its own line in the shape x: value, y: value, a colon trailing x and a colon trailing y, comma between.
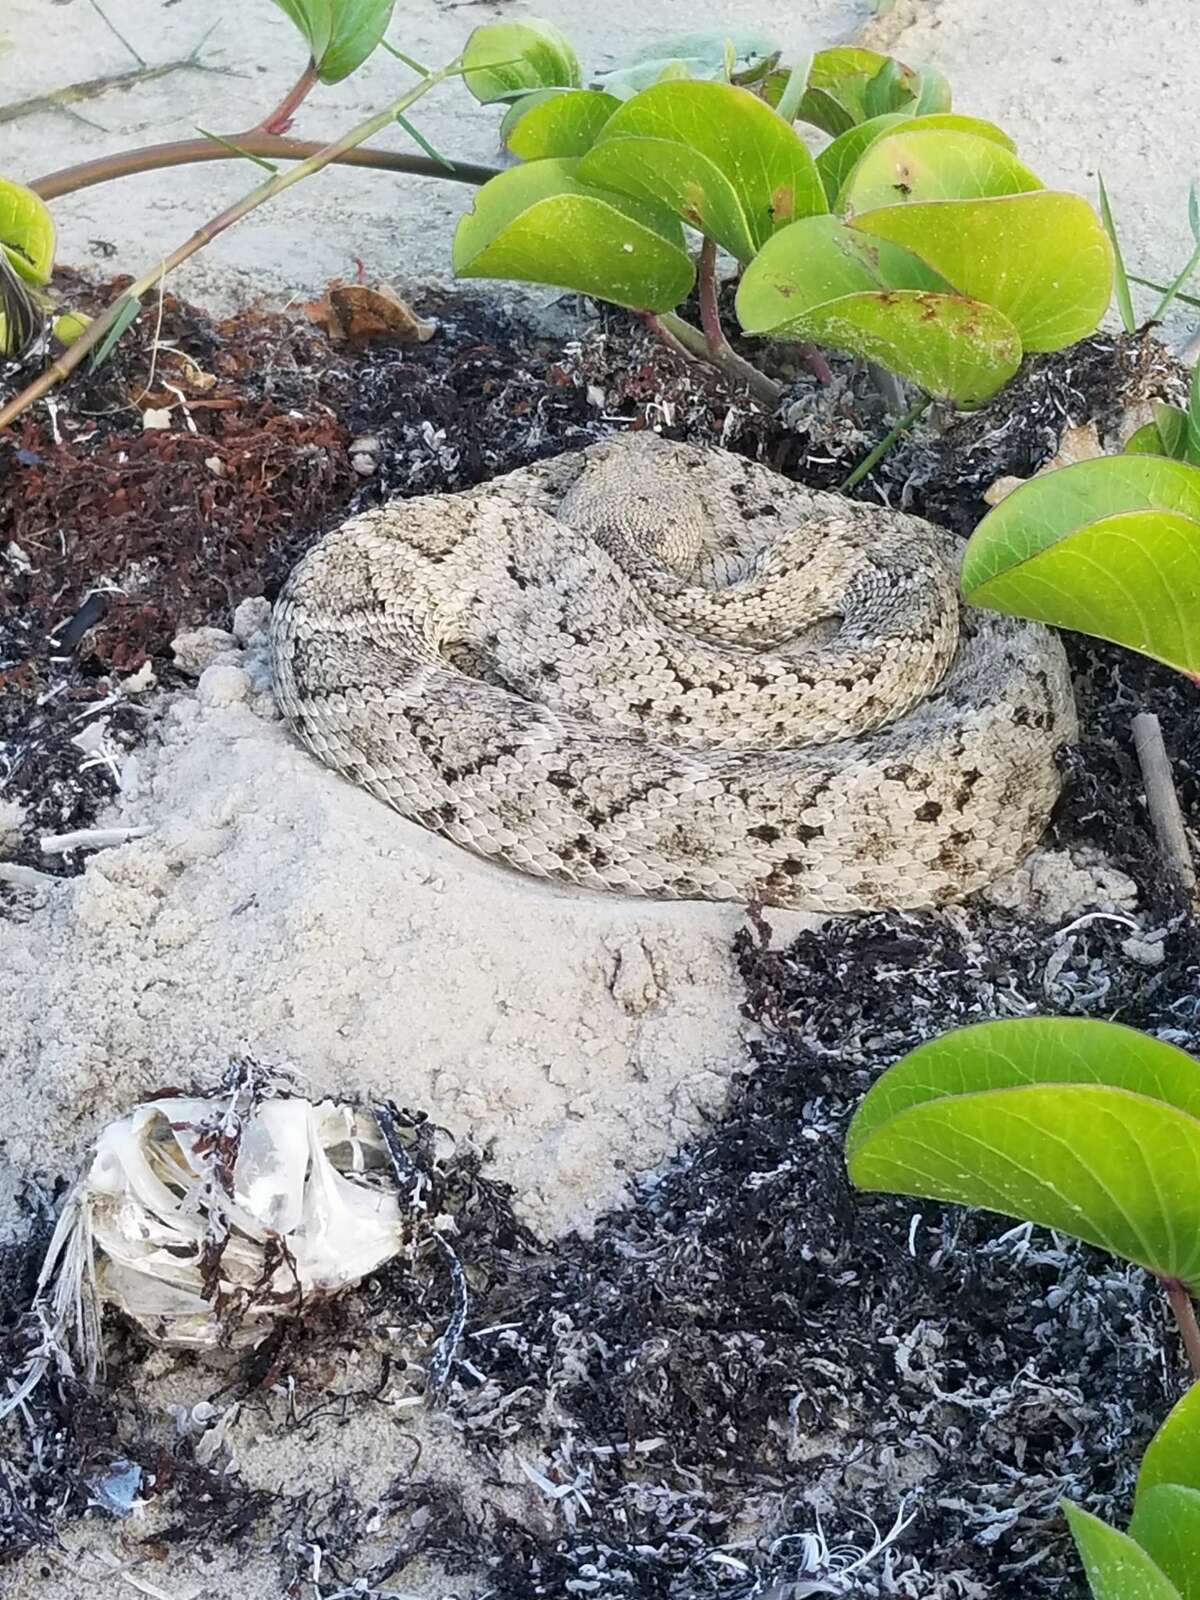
x: 658, y: 670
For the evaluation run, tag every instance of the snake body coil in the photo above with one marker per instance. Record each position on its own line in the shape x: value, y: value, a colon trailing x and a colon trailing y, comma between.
x: 665, y: 671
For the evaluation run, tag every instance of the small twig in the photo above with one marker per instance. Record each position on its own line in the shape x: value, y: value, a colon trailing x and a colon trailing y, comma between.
x: 1184, y: 1313
x: 118, y: 35
x: 187, y: 152
x: 870, y: 462
x: 1162, y: 801
x: 89, y: 88
x: 765, y: 390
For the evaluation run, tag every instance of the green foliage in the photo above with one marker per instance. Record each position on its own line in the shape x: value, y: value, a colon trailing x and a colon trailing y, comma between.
x: 1116, y: 1565
x: 880, y: 301
x: 26, y: 261
x: 916, y: 240
x: 1082, y: 1126
x: 504, y: 60
x: 1174, y: 433
x: 1108, y: 547
x: 734, y: 55
x: 556, y: 122
x: 541, y: 223
x: 715, y: 155
x: 1160, y: 1555
x: 340, y: 34
x: 26, y: 232
x: 1124, y: 298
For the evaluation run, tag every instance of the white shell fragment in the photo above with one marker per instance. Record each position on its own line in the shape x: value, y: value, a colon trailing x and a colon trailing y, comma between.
x: 206, y: 1219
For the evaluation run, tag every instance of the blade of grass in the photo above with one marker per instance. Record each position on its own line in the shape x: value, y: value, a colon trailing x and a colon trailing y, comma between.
x: 122, y: 322
x: 1162, y: 288
x: 1172, y: 292
x: 413, y: 133
x: 870, y: 462
x: 1120, y: 276
x: 246, y: 155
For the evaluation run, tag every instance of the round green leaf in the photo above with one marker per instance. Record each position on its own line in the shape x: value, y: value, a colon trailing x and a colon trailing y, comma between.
x: 539, y: 224
x: 559, y: 122
x: 717, y: 156
x: 1173, y: 1455
x: 1166, y: 1523
x: 1117, y: 1568
x: 1166, y: 436
x: 506, y: 59
x: 933, y: 164
x: 834, y: 99
x: 1043, y: 259
x: 1084, y: 1127
x: 26, y: 232
x: 692, y: 55
x: 340, y: 34
x: 824, y: 281
x: 838, y: 160
x: 1108, y: 547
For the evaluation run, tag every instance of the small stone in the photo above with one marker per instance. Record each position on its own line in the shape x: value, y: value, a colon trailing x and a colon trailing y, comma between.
x: 156, y: 417
x: 222, y: 684
x: 1146, y: 952
x: 140, y: 681
x: 250, y: 618
x: 198, y: 648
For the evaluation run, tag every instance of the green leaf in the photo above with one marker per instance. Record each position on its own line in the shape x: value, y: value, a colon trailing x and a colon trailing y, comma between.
x: 1117, y: 1568
x: 894, y: 87
x: 838, y: 160
x: 935, y: 97
x: 1191, y: 447
x: 837, y: 87
x: 538, y: 223
x: 1124, y: 298
x: 1173, y: 1455
x: 1040, y: 258
x: 1165, y: 436
x: 131, y: 310
x: 698, y: 55
x: 823, y: 281
x: 340, y: 34
x: 1166, y: 1523
x: 26, y: 232
x: 1108, y: 547
x: 1085, y: 1127
x: 503, y: 60
x: 717, y: 156
x: 934, y: 164
x: 314, y: 18
x: 558, y: 122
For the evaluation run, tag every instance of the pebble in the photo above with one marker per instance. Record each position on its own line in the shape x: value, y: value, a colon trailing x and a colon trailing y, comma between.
x: 222, y: 684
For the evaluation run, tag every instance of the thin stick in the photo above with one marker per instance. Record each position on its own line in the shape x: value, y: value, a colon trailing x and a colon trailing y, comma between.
x: 117, y: 34
x: 710, y: 310
x: 1162, y: 801
x: 96, y: 331
x: 1184, y: 1313
x: 187, y: 152
x: 765, y: 390
x: 70, y: 94
x: 869, y: 463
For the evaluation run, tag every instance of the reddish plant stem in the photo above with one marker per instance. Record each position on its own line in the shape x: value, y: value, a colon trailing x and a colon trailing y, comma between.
x: 280, y: 120
x: 186, y: 152
x: 1184, y: 1312
x: 816, y: 363
x: 710, y: 310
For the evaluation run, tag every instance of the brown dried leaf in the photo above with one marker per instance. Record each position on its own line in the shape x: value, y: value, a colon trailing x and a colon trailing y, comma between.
x: 359, y: 314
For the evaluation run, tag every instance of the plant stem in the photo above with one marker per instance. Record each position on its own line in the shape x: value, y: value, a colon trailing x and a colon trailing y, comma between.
x: 764, y: 389
x: 280, y: 120
x: 1162, y: 802
x: 268, y: 190
x: 186, y: 152
x: 869, y: 463
x: 1184, y: 1313
x: 710, y: 310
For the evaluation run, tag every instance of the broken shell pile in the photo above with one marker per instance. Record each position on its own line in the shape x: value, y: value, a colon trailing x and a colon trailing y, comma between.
x: 205, y: 1222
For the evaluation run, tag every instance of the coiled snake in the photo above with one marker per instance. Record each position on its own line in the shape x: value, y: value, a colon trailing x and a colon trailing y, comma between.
x: 660, y: 670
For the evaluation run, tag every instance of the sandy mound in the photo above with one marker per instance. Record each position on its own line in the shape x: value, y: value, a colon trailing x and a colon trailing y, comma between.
x: 271, y: 908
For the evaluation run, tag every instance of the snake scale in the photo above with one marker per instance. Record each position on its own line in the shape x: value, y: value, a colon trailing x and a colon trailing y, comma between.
x: 660, y: 670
